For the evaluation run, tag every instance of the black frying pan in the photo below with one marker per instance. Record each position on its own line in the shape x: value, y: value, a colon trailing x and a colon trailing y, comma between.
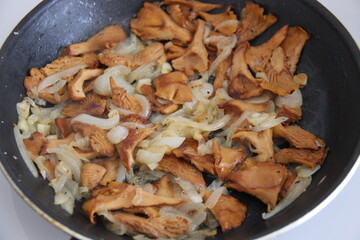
x: 331, y: 109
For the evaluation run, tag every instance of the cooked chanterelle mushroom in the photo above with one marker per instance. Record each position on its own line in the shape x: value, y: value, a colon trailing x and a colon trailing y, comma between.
x: 151, y: 53
x: 152, y: 23
x: 151, y: 129
x: 196, y: 55
x: 107, y: 38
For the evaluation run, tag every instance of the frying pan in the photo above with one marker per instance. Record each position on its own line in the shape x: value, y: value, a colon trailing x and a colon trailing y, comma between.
x: 331, y: 59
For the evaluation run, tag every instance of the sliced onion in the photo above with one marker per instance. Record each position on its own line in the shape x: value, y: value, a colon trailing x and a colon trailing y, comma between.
x: 145, y: 104
x: 203, y: 126
x: 117, y: 134
x: 231, y: 22
x: 24, y: 153
x: 150, y: 70
x: 303, y: 171
x: 50, y: 80
x: 56, y: 87
x: 121, y: 173
x: 269, y: 124
x: 122, y: 111
x: 171, y: 142
x: 99, y: 122
x: 149, y: 157
x: 121, y: 229
x: 226, y: 44
x: 214, y: 197
x: 163, y: 101
x: 197, y: 219
x: 215, y: 184
x: 189, y: 190
x: 292, y: 100
x: 266, y: 96
x: 131, y: 45
x: 58, y: 183
x: 170, y: 212
x: 297, y: 188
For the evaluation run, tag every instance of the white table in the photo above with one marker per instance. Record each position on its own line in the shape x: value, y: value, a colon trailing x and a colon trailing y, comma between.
x: 339, y: 220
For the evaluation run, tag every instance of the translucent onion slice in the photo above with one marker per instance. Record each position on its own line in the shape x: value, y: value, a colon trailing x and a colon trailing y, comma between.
x: 214, y: 197
x: 117, y: 134
x: 24, y: 153
x: 293, y: 100
x: 189, y: 190
x: 269, y: 124
x: 50, y: 80
x: 145, y: 104
x: 299, y: 186
x: 266, y: 96
x: 303, y: 171
x: 56, y: 87
x: 99, y: 122
x: 135, y: 125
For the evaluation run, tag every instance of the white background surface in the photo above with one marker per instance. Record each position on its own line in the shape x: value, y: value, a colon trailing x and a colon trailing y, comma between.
x: 339, y: 220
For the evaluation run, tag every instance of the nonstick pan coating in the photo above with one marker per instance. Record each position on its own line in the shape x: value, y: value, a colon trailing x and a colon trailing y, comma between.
x: 331, y: 109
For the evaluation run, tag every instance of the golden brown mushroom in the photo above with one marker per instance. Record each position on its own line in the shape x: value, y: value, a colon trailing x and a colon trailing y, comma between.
x: 149, y: 92
x: 221, y: 73
x: 253, y: 22
x: 291, y: 176
x: 242, y: 84
x: 107, y: 38
x: 293, y: 114
x: 226, y: 159
x: 298, y: 137
x: 127, y: 146
x: 93, y: 104
x: 148, y: 211
x: 263, y: 180
x: 196, y: 55
x: 306, y: 157
x: 257, y: 57
x: 118, y: 195
x: 261, y: 143
x: 188, y: 150
x: 218, y: 21
x: 280, y: 79
x: 54, y: 143
x: 91, y: 175
x: 293, y: 45
x: 135, y: 118
x: 98, y: 138
x: 228, y: 211
x: 32, y: 81
x: 182, y: 15
x: 75, y: 86
x: 64, y: 126
x: 173, y: 51
x: 237, y: 107
x: 196, y: 6
x: 173, y: 87
x: 164, y: 187
x: 154, y: 227
x: 123, y: 100
x: 152, y: 23
x: 112, y: 167
x: 182, y: 170
x: 34, y: 144
x: 150, y: 53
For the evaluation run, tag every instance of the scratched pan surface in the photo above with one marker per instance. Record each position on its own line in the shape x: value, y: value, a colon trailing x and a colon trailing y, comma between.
x: 331, y: 108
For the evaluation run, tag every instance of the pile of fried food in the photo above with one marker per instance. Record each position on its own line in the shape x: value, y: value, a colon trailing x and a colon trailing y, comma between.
x: 139, y: 120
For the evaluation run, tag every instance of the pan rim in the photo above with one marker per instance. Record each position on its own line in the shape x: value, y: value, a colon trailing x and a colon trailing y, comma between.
x: 355, y: 161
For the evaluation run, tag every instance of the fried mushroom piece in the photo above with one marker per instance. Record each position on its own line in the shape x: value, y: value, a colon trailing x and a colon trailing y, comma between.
x: 237, y: 107
x: 291, y: 176
x: 221, y: 73
x: 196, y: 6
x: 173, y: 51
x: 107, y: 38
x: 33, y: 80
x: 260, y: 143
x: 298, y: 137
x: 173, y: 87
x: 293, y: 114
x: 126, y: 147
x: 149, y: 92
x: 61, y: 97
x: 64, y: 126
x: 228, y: 211
x: 150, y: 53
x: 257, y: 57
x: 253, y: 22
x: 164, y: 187
x: 34, y: 144
x: 154, y: 227
x: 242, y: 84
x: 75, y: 86
x: 226, y: 159
x: 112, y: 167
x: 220, y: 22
x: 118, y: 195
x: 293, y: 45
x: 196, y: 55
x: 135, y: 118
x: 280, y: 80
x: 306, y: 157
x: 148, y: 211
x: 98, y: 138
x: 123, y: 100
x: 182, y: 15
x: 188, y: 151
x: 152, y: 23
x: 263, y: 180
x: 54, y: 143
x: 91, y: 175
x: 93, y: 105
x: 182, y: 170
